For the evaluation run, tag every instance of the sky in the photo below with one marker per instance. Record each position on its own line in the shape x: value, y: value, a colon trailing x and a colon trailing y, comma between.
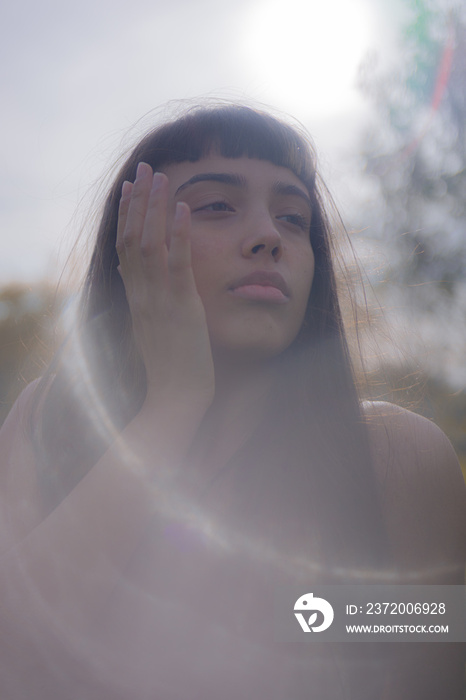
x: 80, y: 81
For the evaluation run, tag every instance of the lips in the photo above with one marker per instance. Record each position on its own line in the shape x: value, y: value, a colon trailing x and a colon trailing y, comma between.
x: 262, y: 286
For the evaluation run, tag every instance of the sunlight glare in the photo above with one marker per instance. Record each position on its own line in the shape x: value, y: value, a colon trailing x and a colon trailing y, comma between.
x: 305, y: 54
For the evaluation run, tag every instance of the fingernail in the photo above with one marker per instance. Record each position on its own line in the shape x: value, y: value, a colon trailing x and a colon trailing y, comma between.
x: 179, y: 209
x: 126, y: 188
x: 142, y: 169
x: 157, y: 181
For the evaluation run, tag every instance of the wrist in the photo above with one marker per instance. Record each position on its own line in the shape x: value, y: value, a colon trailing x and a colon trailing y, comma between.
x: 167, y: 424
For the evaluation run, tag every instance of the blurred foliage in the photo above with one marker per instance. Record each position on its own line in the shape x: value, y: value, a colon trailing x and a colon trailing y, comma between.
x: 27, y: 338
x: 414, y: 159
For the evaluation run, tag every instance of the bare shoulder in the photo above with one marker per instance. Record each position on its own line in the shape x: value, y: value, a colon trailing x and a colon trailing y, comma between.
x: 423, y: 490
x: 395, y: 430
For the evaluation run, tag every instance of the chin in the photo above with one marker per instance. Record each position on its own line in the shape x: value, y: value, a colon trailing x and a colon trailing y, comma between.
x: 254, y: 337
x: 252, y: 349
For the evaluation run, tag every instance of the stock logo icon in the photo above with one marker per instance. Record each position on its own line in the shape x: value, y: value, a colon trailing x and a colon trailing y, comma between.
x: 308, y: 604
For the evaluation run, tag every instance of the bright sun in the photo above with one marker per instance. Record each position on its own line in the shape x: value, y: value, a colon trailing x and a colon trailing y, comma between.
x: 305, y: 53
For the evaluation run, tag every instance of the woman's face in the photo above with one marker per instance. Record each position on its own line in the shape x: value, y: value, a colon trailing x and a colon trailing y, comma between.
x: 251, y: 254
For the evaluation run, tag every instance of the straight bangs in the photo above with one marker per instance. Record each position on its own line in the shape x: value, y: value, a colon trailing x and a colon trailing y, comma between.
x: 231, y: 131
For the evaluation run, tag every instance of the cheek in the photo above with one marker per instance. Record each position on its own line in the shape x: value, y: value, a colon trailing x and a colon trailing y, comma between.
x: 208, y: 259
x: 306, y: 274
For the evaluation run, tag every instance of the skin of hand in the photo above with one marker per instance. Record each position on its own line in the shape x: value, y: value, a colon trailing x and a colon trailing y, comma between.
x: 168, y: 317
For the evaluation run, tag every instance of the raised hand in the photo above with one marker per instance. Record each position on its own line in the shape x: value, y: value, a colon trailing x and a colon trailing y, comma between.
x: 169, y: 321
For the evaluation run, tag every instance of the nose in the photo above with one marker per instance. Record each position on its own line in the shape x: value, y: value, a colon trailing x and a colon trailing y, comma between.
x: 262, y: 238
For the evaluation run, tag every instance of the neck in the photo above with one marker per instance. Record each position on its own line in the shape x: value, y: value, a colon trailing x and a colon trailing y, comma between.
x: 235, y: 379
x: 240, y: 400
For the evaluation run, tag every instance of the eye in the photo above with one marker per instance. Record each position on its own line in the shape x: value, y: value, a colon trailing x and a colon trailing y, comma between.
x: 215, y: 206
x: 296, y: 220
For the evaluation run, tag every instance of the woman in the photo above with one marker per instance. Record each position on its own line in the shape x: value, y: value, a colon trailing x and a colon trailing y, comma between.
x: 199, y: 440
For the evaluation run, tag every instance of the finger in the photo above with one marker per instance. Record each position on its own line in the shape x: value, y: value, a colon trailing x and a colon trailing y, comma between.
x: 134, y: 220
x: 123, y: 208
x: 179, y: 254
x: 153, y: 242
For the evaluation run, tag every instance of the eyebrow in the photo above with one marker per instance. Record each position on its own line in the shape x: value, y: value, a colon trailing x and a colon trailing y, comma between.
x: 225, y: 178
x: 281, y: 188
x: 290, y: 190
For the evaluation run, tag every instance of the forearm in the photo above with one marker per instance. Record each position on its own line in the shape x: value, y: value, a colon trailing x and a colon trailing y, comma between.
x: 72, y: 560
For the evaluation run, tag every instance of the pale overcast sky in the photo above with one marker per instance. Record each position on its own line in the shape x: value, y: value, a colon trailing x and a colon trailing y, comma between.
x: 76, y: 76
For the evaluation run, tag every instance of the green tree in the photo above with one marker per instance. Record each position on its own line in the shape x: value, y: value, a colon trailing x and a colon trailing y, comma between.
x: 414, y: 165
x: 414, y: 160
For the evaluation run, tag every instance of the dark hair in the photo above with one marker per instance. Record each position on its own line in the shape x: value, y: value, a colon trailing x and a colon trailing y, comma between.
x: 316, y: 409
